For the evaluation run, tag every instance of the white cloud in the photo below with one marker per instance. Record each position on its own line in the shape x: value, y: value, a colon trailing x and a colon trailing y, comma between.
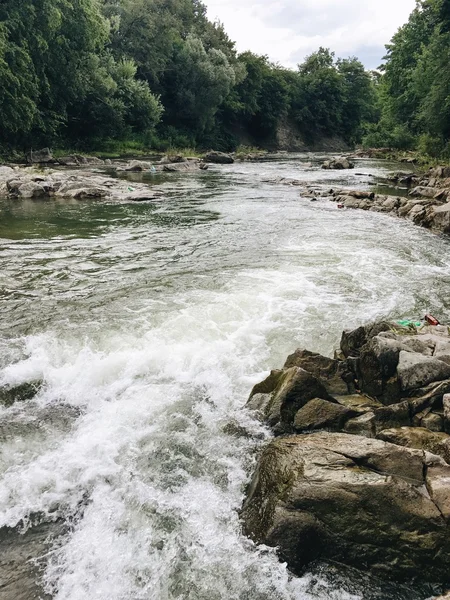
x: 288, y: 30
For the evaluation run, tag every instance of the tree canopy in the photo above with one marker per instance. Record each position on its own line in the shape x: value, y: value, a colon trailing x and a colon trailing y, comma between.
x: 414, y: 91
x: 75, y: 72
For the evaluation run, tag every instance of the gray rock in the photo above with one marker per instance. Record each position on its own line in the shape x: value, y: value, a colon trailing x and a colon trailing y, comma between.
x: 338, y: 164
x: 6, y: 171
x: 259, y: 403
x: 419, y: 438
x: 219, y: 158
x: 363, y: 425
x: 352, y: 500
x: 378, y: 369
x: 31, y: 189
x: 295, y: 388
x: 40, y: 156
x: 19, y: 393
x: 334, y: 374
x: 88, y: 192
x: 395, y: 415
x: 322, y: 414
x: 441, y: 218
x: 358, y: 402
x: 415, y: 370
x: 353, y: 340
x: 68, y: 161
x: 268, y: 385
x: 88, y: 160
x: 172, y: 159
x: 424, y: 192
x: 139, y: 165
x: 433, y: 422
x: 189, y: 165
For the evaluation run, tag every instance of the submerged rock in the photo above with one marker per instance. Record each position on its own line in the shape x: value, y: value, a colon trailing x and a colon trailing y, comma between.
x: 22, y: 558
x: 366, y: 503
x: 19, y: 393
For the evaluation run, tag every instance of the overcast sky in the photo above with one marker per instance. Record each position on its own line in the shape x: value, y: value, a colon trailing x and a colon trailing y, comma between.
x: 289, y: 30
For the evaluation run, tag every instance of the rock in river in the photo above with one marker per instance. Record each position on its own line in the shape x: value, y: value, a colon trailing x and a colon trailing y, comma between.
x: 367, y: 484
x: 365, y: 503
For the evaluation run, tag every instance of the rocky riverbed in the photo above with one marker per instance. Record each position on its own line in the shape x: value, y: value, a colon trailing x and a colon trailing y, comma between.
x: 359, y: 472
x: 427, y: 202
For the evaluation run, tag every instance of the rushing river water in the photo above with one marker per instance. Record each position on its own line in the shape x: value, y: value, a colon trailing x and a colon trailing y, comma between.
x: 148, y: 324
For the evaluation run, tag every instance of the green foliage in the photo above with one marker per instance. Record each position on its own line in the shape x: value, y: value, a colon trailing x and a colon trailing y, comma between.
x: 77, y: 73
x: 333, y: 97
x: 58, y: 78
x: 416, y: 82
x: 197, y: 85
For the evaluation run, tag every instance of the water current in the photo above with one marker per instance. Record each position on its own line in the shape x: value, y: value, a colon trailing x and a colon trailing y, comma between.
x: 148, y: 325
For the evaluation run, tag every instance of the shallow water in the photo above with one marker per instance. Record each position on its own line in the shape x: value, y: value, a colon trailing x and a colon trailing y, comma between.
x: 148, y: 324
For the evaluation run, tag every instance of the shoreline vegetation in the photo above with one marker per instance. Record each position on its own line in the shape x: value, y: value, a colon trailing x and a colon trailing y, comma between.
x: 126, y: 77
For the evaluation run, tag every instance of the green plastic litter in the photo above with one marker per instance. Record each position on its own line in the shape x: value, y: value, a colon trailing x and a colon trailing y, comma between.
x: 131, y: 189
x: 407, y: 323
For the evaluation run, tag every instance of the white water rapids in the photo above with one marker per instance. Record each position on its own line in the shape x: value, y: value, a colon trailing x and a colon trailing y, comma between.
x: 148, y: 325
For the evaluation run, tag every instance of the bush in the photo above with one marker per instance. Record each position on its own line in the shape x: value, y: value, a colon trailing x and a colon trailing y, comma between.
x: 430, y: 146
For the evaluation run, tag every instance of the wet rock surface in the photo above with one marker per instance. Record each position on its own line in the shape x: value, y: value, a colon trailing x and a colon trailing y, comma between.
x: 22, y: 558
x: 219, y: 158
x: 338, y: 164
x: 359, y: 471
x: 74, y: 184
x: 427, y: 203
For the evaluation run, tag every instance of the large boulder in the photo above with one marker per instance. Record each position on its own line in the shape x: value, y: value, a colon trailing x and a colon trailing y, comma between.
x: 219, y: 158
x: 333, y: 373
x: 138, y: 166
x: 362, y: 502
x: 6, y: 171
x: 353, y: 340
x: 31, y: 189
x: 338, y: 164
x: 43, y: 156
x: 295, y: 388
x: 416, y: 370
x: 441, y: 218
x: 377, y: 369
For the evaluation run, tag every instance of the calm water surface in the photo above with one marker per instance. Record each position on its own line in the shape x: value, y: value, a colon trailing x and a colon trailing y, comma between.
x: 149, y: 324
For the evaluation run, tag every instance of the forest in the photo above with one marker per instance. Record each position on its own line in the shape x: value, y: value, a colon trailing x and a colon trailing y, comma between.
x: 85, y: 73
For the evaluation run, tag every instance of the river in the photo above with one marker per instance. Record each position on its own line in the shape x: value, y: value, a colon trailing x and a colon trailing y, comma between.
x: 148, y: 325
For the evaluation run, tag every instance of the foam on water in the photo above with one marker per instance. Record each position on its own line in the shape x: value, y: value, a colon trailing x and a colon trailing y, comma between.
x: 156, y: 354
